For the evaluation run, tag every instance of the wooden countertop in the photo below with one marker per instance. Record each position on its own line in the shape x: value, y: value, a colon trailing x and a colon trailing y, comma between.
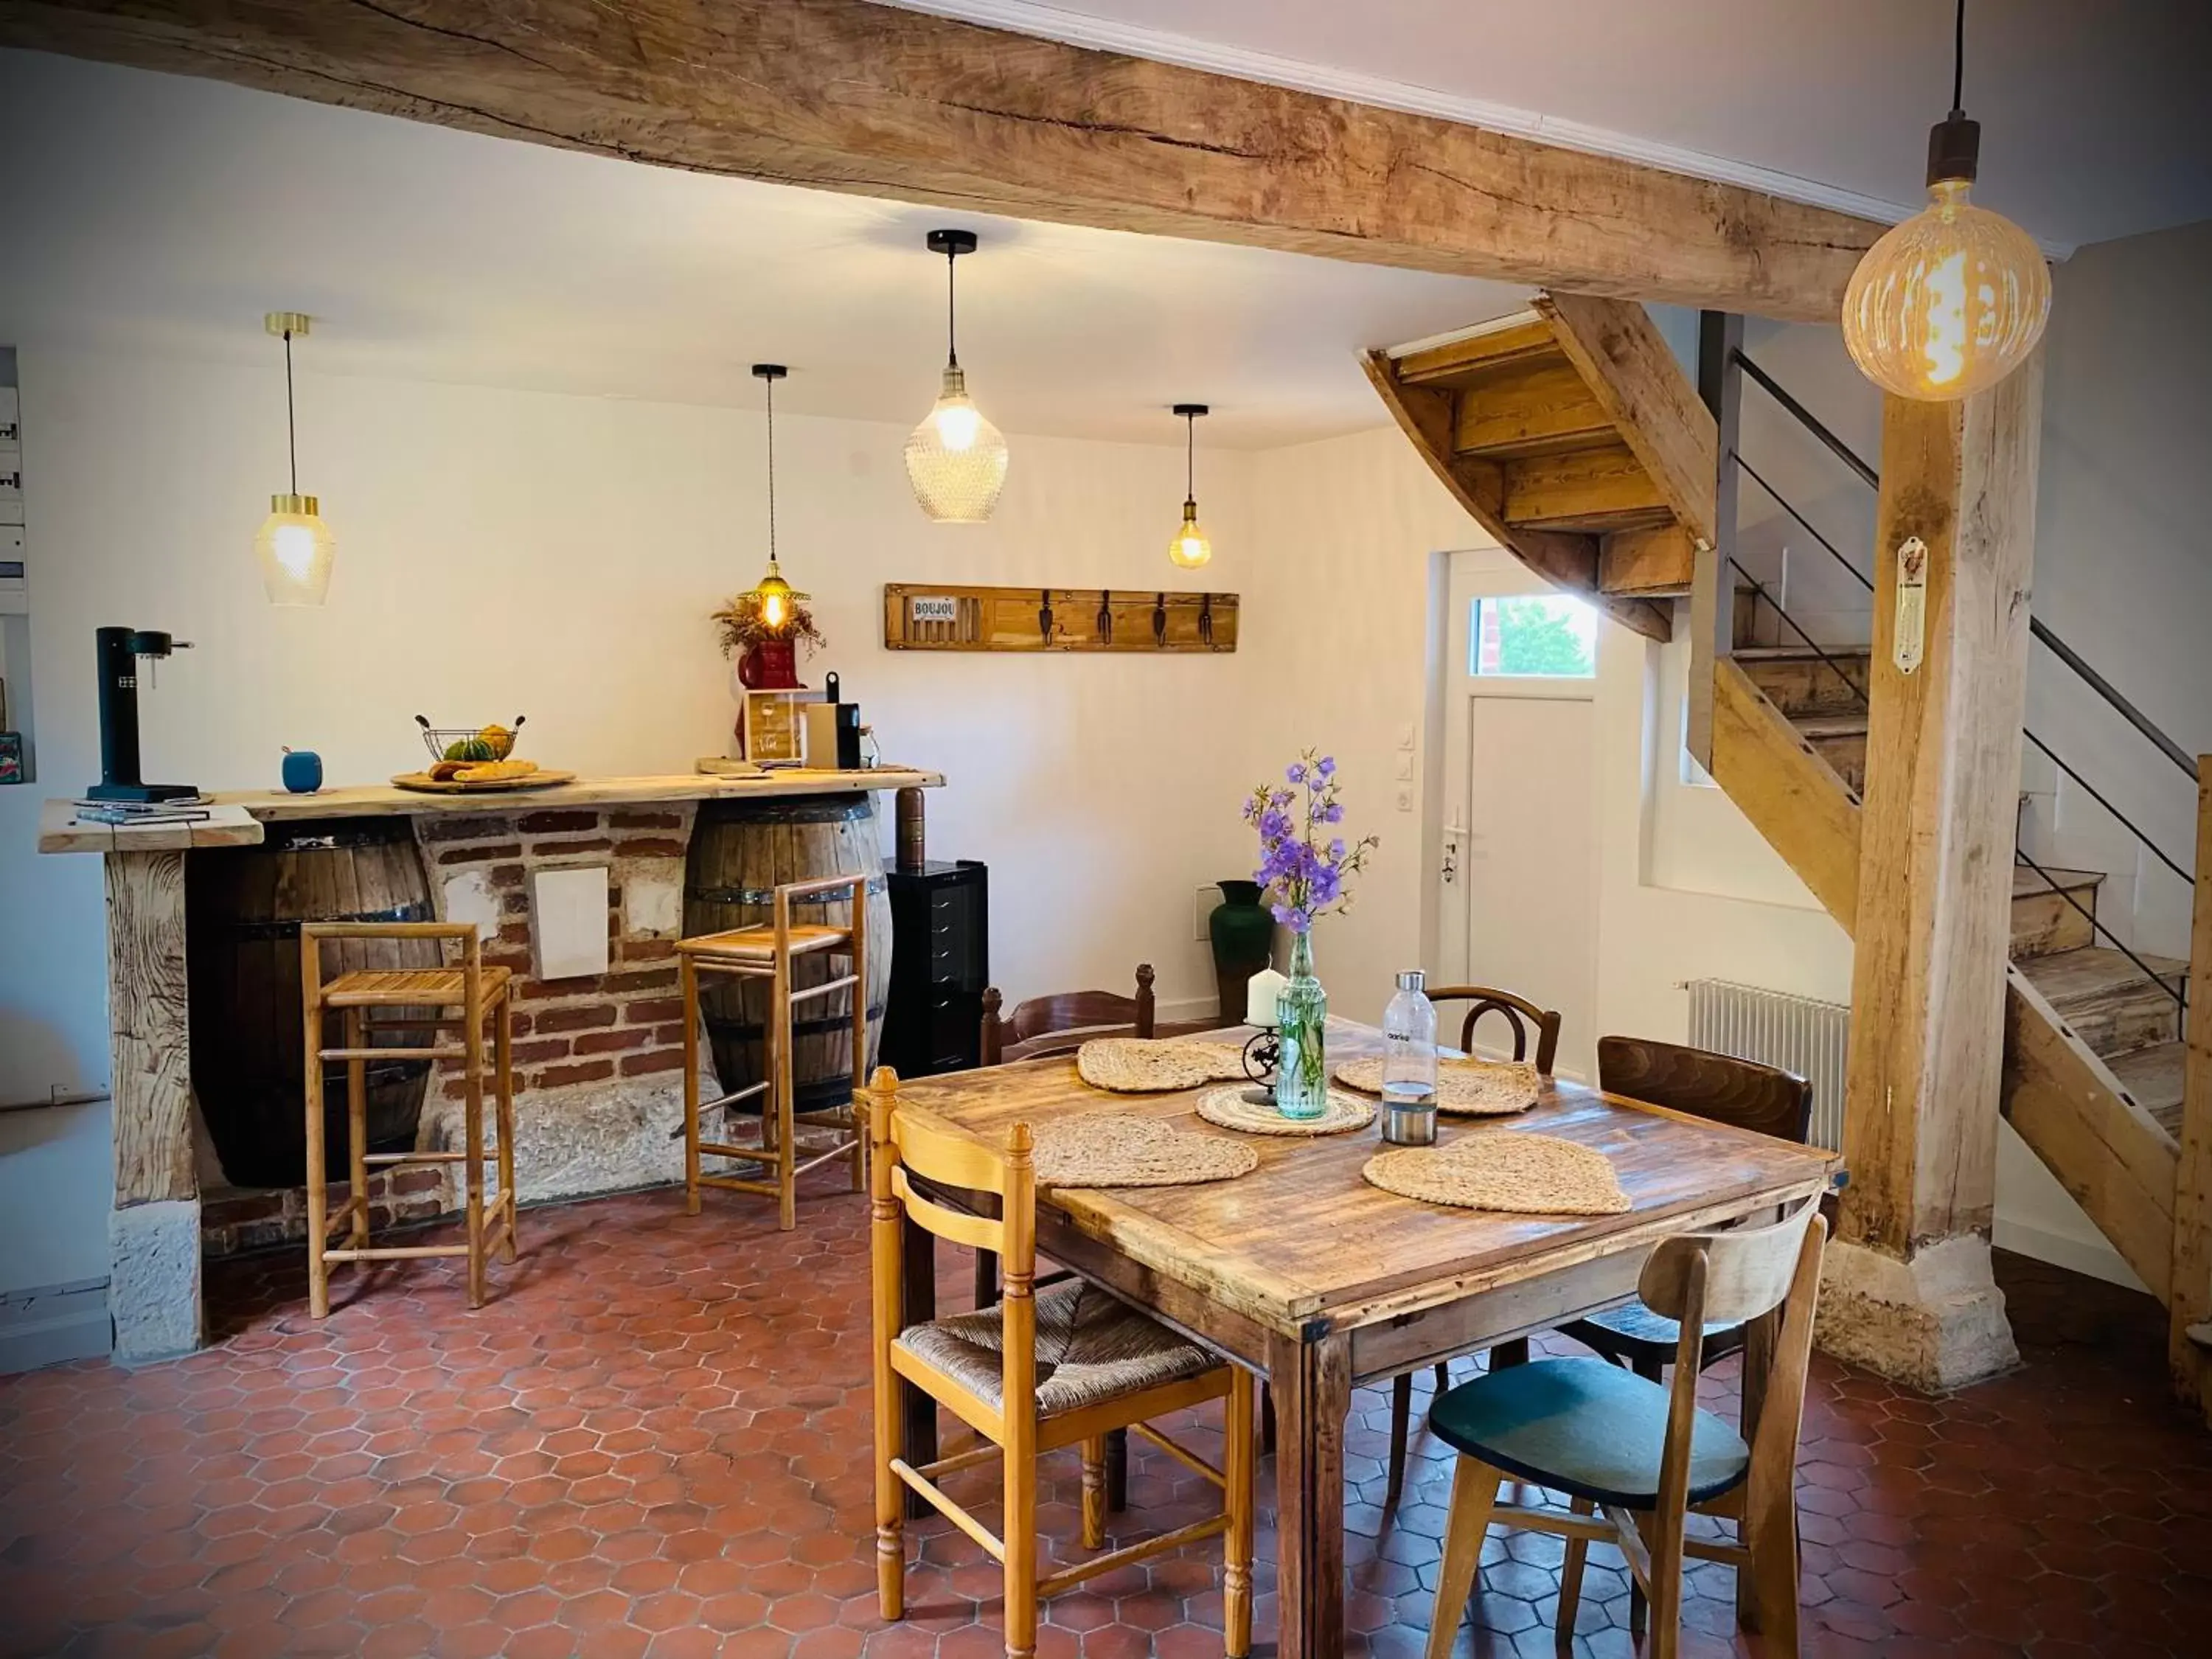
x: 236, y: 815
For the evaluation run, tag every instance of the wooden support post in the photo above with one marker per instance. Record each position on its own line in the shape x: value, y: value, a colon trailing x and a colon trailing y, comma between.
x: 154, y: 1231
x: 1908, y: 1288
x: 2189, y: 1332
x: 1712, y: 578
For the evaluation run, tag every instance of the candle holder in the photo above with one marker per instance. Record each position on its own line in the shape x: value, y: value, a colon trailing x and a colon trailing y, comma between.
x: 1262, y: 1050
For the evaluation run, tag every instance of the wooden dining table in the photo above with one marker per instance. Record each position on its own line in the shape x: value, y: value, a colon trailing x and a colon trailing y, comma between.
x: 1321, y: 1283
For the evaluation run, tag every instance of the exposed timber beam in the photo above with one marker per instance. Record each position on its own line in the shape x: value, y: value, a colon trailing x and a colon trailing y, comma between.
x: 843, y: 95
x: 1907, y: 1291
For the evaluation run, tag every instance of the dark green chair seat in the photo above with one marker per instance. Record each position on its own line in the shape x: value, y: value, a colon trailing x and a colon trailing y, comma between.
x: 1586, y: 1428
x: 1645, y: 1342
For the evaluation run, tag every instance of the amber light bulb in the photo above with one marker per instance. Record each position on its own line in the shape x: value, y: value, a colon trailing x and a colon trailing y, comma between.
x: 1955, y: 299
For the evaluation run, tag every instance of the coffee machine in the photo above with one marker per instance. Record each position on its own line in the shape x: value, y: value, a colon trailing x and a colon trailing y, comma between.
x: 120, y: 651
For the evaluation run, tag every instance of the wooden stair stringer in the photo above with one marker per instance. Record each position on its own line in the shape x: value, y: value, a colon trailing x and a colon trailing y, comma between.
x: 2110, y: 1155
x: 2117, y: 1162
x: 1792, y: 797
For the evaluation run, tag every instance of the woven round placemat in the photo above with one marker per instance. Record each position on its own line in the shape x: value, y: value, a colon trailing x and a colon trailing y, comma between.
x: 1136, y: 1066
x: 1121, y: 1149
x: 1464, y: 1088
x: 1228, y: 1107
x: 1507, y: 1170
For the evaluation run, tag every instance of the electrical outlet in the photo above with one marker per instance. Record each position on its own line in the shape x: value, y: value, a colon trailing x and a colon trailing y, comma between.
x: 1405, y: 767
x: 1202, y: 903
x: 1405, y: 797
x: 1406, y: 739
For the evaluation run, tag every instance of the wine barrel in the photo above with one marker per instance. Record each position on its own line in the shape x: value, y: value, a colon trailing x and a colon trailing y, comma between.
x: 741, y: 851
x: 243, y: 907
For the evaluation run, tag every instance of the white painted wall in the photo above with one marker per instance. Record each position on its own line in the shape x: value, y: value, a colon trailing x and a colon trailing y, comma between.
x: 504, y: 552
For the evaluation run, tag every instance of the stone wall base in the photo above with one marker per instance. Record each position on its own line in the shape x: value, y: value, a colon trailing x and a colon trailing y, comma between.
x: 154, y: 1279
x: 1935, y: 1323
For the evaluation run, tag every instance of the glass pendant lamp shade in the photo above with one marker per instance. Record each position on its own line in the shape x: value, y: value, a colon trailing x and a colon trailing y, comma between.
x: 1948, y: 303
x: 1188, y: 548
x: 295, y: 549
x: 1955, y: 299
x: 955, y: 459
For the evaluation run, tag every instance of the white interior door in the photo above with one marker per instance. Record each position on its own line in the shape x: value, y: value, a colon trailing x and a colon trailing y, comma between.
x: 1519, y: 879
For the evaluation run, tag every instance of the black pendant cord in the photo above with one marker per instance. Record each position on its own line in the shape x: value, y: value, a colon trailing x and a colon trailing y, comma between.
x: 952, y: 338
x: 291, y: 421
x: 1190, y: 460
x: 770, y: 385
x: 1959, y: 63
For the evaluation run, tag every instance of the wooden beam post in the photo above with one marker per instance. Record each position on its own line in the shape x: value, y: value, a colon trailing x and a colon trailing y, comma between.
x: 154, y: 1231
x: 1908, y: 1290
x: 843, y: 95
x: 2190, y: 1312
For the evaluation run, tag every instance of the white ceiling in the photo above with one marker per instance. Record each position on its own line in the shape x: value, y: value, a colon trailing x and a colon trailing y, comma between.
x: 2096, y: 119
x: 168, y: 214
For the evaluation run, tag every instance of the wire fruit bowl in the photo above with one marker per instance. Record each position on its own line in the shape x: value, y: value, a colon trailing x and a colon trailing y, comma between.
x: 498, y: 741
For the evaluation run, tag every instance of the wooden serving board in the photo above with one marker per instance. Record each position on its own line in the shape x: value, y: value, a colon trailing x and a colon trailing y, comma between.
x: 425, y: 784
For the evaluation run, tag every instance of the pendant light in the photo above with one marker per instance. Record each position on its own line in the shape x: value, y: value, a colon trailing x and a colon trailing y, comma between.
x: 295, y: 547
x: 775, y: 596
x: 1955, y: 299
x: 955, y: 459
x: 1189, y: 548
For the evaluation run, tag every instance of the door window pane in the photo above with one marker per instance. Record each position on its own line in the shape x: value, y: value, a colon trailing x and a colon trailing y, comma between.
x: 1544, y: 636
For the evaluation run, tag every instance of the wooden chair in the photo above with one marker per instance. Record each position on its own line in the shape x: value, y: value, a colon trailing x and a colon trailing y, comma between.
x: 769, y: 951
x: 1720, y: 1089
x: 1060, y: 1024
x: 1645, y: 1454
x: 1524, y: 1017
x: 466, y: 998
x: 1034, y: 1375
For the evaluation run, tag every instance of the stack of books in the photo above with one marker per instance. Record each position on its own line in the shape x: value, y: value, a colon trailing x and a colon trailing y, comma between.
x: 185, y: 809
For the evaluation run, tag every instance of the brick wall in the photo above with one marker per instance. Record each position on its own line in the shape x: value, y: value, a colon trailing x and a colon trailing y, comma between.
x: 598, y: 1061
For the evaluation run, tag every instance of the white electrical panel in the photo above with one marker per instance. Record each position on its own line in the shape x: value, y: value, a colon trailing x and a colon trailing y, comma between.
x: 11, y: 456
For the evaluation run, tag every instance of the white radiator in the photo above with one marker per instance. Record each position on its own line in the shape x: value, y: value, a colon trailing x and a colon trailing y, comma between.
x: 1798, y: 1034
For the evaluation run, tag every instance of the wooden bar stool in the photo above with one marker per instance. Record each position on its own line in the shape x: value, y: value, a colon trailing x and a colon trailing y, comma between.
x: 479, y: 995
x: 770, y: 952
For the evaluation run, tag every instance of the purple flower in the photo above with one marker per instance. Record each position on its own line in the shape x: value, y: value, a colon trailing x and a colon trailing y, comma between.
x: 1336, y: 850
x: 1280, y: 912
x: 1300, y: 921
x: 1333, y: 814
x: 1297, y: 773
x: 1326, y: 767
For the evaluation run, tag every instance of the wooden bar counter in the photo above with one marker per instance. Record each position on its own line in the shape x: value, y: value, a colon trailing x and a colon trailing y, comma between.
x: 635, y: 823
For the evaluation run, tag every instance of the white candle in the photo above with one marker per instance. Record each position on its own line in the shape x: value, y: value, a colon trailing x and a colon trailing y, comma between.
x: 1260, y: 994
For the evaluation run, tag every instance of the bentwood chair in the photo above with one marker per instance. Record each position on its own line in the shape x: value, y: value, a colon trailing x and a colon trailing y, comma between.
x: 1644, y: 1454
x: 1034, y: 1375
x: 469, y: 999
x: 769, y: 951
x: 1523, y: 1018
x: 1062, y: 1023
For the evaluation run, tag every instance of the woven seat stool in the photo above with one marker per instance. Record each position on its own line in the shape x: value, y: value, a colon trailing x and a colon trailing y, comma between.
x: 770, y: 951
x: 466, y: 997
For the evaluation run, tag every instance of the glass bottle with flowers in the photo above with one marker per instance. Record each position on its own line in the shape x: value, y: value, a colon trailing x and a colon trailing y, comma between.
x: 1303, y: 870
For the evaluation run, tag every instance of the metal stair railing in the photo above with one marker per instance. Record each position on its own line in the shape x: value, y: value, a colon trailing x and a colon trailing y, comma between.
x: 1737, y: 361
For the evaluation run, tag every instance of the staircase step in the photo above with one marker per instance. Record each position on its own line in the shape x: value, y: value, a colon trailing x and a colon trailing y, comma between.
x: 1597, y: 489
x: 2112, y: 1005
x: 1530, y: 406
x: 2151, y: 1078
x: 1840, y: 740
x: 2043, y: 923
x: 1798, y: 681
x: 1518, y: 339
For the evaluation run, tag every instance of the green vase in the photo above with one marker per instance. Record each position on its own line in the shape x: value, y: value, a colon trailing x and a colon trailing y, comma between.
x: 1244, y: 938
x: 1300, y: 1017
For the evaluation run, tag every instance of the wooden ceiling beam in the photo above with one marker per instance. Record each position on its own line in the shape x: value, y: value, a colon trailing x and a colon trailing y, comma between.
x: 843, y: 95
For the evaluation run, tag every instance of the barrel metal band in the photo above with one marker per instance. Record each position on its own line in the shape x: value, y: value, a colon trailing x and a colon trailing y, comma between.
x: 418, y: 911
x: 766, y: 896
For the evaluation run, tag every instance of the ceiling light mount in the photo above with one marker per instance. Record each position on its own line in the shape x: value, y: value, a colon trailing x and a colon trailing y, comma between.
x: 951, y: 243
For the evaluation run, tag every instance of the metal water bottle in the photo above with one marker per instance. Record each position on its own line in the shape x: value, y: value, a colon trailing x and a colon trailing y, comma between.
x: 1409, y: 1065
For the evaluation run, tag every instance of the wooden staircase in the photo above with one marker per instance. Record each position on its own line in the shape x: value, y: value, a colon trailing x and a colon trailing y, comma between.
x: 1572, y: 436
